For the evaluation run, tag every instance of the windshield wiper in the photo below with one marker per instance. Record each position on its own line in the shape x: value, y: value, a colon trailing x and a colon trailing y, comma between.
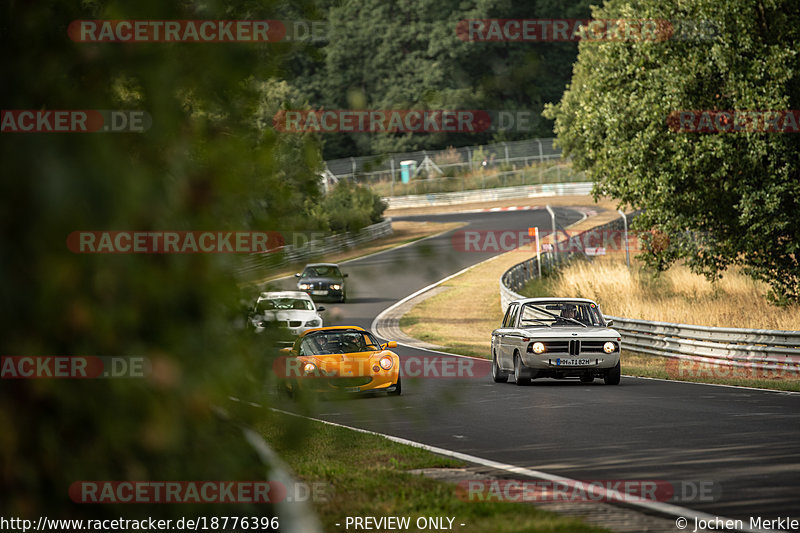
x: 545, y: 311
x: 543, y: 321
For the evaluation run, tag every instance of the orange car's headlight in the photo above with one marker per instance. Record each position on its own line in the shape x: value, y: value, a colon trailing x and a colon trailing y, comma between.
x: 309, y: 368
x: 386, y: 363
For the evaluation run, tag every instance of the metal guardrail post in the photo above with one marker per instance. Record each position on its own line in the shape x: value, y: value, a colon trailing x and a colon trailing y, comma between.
x: 554, y: 235
x: 391, y: 160
x: 625, y: 236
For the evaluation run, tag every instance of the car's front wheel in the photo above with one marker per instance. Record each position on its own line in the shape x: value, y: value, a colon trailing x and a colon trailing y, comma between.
x: 498, y: 376
x: 520, y: 374
x: 613, y: 376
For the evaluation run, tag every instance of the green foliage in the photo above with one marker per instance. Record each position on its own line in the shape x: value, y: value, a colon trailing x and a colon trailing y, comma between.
x: 203, y: 165
x: 722, y: 199
x: 350, y: 207
x: 407, y: 55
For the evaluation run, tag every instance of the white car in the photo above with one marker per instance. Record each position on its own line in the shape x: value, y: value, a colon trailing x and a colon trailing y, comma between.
x: 293, y: 310
x: 555, y: 338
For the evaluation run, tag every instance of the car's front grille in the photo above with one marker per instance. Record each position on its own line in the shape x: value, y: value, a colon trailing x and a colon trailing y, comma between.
x: 295, y: 323
x: 574, y: 347
x: 556, y: 346
x: 593, y: 346
x: 571, y: 347
x: 342, y: 383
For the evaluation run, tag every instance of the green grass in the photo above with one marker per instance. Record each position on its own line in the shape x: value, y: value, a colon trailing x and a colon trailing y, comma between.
x: 366, y: 475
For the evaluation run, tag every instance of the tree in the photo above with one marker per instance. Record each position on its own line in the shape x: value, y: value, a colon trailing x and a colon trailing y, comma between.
x: 723, y: 199
x: 194, y: 169
x: 351, y: 207
x: 416, y: 60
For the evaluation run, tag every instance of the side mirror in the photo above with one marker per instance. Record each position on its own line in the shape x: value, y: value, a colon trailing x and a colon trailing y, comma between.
x: 390, y: 344
x: 297, y: 274
x: 345, y: 275
x: 286, y: 351
x: 321, y: 308
x: 609, y: 323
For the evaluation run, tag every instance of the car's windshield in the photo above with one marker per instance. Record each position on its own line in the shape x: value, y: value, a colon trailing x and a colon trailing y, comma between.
x: 560, y: 314
x: 276, y: 304
x: 337, y: 342
x: 321, y: 272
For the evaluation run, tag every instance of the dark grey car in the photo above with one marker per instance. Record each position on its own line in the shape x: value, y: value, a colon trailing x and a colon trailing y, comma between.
x: 323, y: 281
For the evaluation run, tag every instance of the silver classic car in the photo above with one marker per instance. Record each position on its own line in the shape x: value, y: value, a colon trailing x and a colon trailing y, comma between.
x: 555, y: 338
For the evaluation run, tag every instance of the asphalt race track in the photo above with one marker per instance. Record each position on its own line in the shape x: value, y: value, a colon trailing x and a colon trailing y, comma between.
x: 745, y: 443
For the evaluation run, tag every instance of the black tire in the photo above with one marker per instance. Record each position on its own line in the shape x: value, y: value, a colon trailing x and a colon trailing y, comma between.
x: 613, y: 376
x: 587, y: 378
x: 498, y: 375
x: 343, y: 299
x: 519, y: 370
x: 398, y: 389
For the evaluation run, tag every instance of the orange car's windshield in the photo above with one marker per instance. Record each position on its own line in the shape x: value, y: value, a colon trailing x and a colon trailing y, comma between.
x: 337, y: 342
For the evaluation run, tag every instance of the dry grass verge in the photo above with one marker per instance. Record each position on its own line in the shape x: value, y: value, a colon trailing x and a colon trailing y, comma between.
x: 676, y: 295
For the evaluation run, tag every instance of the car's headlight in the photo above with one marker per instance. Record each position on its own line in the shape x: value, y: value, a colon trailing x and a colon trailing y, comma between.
x: 386, y: 363
x: 314, y: 323
x: 304, y: 286
x: 336, y: 286
x: 538, y: 347
x: 609, y: 347
x: 309, y: 368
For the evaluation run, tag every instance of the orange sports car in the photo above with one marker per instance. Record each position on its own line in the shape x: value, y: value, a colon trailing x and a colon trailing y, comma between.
x: 339, y: 358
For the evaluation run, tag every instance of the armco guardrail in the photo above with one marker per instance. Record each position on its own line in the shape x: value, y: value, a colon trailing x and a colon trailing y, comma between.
x: 489, y: 195
x: 754, y: 348
x: 288, y: 254
x: 749, y: 348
